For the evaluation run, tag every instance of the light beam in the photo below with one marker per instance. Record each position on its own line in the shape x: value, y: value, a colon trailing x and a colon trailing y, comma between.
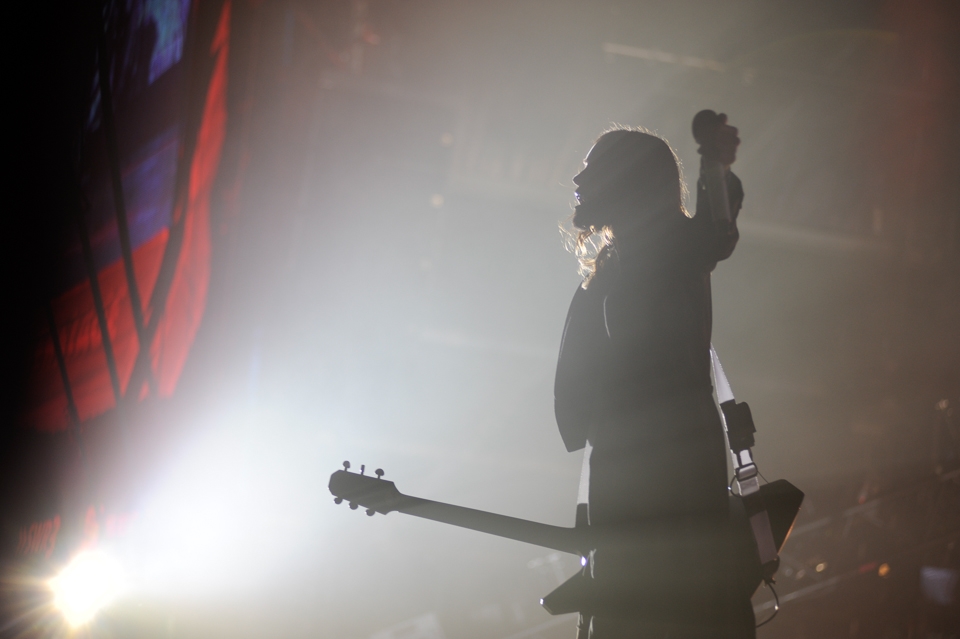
x: 89, y: 583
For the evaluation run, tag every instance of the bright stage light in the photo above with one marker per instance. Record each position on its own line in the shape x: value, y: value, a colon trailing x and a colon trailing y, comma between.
x: 91, y: 581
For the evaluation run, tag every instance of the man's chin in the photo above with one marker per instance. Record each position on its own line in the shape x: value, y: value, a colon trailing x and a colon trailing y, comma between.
x: 588, y: 208
x: 590, y: 211
x: 580, y: 214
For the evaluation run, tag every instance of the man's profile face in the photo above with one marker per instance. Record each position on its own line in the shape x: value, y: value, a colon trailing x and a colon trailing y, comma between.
x: 625, y: 175
x: 600, y: 172
x: 583, y: 181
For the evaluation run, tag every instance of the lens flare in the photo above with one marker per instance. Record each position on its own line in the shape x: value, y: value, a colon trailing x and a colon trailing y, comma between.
x: 91, y: 581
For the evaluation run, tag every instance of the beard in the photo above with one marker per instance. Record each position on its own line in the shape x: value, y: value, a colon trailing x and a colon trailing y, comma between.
x: 606, y: 208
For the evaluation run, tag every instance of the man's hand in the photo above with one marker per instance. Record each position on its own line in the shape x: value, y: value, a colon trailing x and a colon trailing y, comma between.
x: 718, y: 140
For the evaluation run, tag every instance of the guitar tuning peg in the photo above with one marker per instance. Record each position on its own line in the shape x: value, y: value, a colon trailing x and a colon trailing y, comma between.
x: 378, y: 472
x: 346, y: 465
x: 371, y: 512
x: 338, y: 500
x: 353, y: 506
x: 362, y: 468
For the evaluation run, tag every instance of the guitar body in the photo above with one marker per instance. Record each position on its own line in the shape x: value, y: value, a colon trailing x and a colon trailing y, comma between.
x: 783, y: 501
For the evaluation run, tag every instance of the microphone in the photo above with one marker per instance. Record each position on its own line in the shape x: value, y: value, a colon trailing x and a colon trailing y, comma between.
x: 705, y: 125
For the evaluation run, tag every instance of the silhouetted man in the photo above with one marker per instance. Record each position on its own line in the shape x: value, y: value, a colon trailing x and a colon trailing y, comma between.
x: 633, y: 381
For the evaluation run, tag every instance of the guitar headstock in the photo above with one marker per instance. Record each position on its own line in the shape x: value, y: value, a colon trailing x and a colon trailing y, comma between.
x: 375, y: 494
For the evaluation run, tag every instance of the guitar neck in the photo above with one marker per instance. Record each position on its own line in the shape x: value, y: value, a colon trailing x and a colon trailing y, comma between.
x: 556, y: 537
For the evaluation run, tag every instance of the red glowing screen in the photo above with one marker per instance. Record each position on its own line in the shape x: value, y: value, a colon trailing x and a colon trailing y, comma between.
x: 168, y: 220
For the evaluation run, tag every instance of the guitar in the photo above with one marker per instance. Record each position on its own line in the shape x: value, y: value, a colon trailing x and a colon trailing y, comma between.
x: 378, y: 495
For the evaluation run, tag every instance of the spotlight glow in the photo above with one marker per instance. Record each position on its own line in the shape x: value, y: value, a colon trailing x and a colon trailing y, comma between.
x: 91, y: 581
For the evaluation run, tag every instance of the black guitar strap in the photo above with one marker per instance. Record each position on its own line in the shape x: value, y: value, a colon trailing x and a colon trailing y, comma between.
x: 738, y: 424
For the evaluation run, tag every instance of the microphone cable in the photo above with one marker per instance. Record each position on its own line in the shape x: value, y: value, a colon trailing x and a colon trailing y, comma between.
x: 776, y: 605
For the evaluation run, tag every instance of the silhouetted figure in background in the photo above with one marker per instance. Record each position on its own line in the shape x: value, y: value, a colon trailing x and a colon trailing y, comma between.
x: 634, y: 380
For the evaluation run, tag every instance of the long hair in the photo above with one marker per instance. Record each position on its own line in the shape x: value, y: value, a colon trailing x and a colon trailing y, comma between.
x: 643, y: 178
x: 592, y: 246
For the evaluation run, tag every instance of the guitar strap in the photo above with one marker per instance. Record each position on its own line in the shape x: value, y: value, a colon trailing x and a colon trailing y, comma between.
x: 583, y: 493
x: 738, y: 424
